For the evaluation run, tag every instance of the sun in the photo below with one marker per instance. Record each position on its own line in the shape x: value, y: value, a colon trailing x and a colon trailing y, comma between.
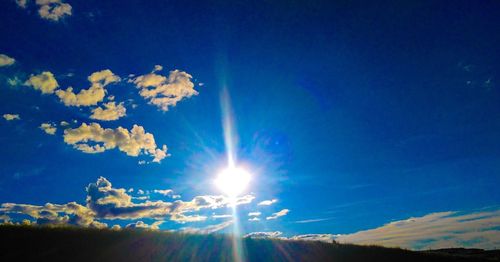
x: 233, y: 181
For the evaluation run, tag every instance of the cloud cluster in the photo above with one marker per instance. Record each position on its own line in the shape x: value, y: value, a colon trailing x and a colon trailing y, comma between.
x: 91, y: 96
x: 103, y: 201
x: 142, y: 225
x: 10, y: 117
x: 49, y: 128
x: 92, y: 138
x: 110, y: 112
x: 436, y: 230
x: 280, y: 213
x: 162, y: 91
x: 6, y: 60
x: 45, y: 82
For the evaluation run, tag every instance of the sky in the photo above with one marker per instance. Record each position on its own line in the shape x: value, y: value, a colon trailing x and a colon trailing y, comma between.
x: 369, y: 123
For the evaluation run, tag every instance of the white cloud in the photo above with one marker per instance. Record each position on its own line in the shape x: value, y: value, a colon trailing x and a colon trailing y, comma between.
x: 267, y: 202
x: 271, y: 234
x: 45, y: 82
x: 280, y: 213
x: 52, y: 9
x: 253, y: 219
x: 165, y: 92
x: 315, y: 237
x: 49, y: 128
x: 254, y: 214
x: 10, y: 117
x: 165, y: 192
x: 207, y: 230
x: 436, y: 230
x: 6, y: 60
x: 110, y: 112
x: 93, y: 138
x: 91, y: 96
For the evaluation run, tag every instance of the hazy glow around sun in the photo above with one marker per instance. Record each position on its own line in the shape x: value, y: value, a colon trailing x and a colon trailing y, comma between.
x: 233, y: 181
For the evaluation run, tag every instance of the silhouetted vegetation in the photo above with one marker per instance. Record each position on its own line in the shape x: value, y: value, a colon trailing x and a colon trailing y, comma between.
x: 25, y: 243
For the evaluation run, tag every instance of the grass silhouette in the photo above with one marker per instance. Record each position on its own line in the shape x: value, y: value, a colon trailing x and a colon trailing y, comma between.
x: 29, y: 243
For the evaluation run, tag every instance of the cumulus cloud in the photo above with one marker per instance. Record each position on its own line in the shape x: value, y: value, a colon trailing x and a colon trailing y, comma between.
x: 254, y: 214
x: 110, y: 112
x: 49, y: 128
x: 280, y: 213
x: 91, y: 96
x: 436, y: 230
x: 274, y: 234
x: 52, y: 9
x: 6, y: 60
x: 45, y: 82
x: 254, y: 219
x: 267, y: 202
x: 92, y: 138
x: 162, y: 91
x: 10, y: 117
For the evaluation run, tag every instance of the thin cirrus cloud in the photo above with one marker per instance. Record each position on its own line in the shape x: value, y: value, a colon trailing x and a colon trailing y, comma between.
x: 10, y: 117
x: 280, y: 213
x: 165, y: 92
x: 53, y: 10
x: 92, y: 138
x: 103, y: 201
x: 5, y: 60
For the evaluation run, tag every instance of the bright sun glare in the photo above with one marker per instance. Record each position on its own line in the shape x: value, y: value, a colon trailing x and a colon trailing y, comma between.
x: 233, y: 181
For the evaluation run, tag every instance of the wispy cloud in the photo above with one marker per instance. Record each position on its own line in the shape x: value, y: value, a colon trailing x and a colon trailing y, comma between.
x: 5, y: 60
x: 267, y: 202
x: 436, y: 230
x: 10, y: 117
x: 280, y: 213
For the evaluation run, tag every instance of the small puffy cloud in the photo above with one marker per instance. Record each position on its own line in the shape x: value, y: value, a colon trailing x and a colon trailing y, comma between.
x: 254, y: 214
x: 165, y: 192
x: 91, y: 96
x: 142, y: 225
x: 274, y: 234
x: 6, y: 60
x: 45, y: 82
x: 281, y: 213
x: 254, y: 219
x: 110, y: 112
x: 22, y: 3
x: 93, y: 138
x: 52, y: 9
x: 49, y: 128
x: 10, y: 117
x: 267, y: 202
x: 64, y: 123
x: 162, y: 91
x: 433, y: 231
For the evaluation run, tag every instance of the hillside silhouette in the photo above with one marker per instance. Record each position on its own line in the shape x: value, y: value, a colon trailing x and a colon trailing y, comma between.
x: 28, y: 243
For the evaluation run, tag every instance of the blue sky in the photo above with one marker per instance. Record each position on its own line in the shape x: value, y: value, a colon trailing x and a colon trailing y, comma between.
x: 352, y: 115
